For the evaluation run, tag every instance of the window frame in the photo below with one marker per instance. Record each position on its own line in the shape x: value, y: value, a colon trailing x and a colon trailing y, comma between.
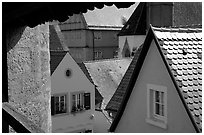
x: 66, y: 103
x: 97, y: 54
x: 152, y: 117
x: 76, y: 98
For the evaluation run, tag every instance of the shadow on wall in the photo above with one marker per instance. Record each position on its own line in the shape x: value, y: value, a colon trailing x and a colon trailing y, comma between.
x: 12, y: 35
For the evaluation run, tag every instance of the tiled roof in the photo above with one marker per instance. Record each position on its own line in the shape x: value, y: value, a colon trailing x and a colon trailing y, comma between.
x: 136, y: 23
x: 97, y: 27
x: 106, y: 75
x: 57, y: 40
x: 83, y: 68
x: 117, y: 98
x: 98, y: 96
x: 55, y: 59
x: 182, y: 48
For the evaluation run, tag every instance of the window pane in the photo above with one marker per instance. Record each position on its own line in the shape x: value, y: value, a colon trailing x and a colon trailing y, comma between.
x: 162, y: 97
x: 157, y: 109
x: 157, y: 98
x: 57, y: 104
x: 162, y: 110
x: 73, y: 101
x: 78, y: 100
x: 62, y: 104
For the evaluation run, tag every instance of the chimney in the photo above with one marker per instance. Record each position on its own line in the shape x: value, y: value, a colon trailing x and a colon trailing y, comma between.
x: 160, y: 14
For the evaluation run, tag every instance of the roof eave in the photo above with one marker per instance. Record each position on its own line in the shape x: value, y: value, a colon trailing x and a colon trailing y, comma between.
x: 132, y: 80
x: 150, y: 36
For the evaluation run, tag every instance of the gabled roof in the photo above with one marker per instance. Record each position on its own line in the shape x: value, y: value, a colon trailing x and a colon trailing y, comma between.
x: 126, y: 49
x: 136, y: 23
x: 83, y: 68
x: 55, y: 59
x: 108, y: 15
x: 180, y: 49
x: 57, y: 40
x: 57, y: 48
x: 106, y: 75
x: 98, y: 96
x: 115, y: 102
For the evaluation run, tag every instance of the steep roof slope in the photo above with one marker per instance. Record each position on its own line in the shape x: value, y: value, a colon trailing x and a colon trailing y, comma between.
x: 57, y: 48
x: 55, y: 59
x: 180, y: 49
x: 136, y: 23
x: 116, y: 99
x: 98, y: 96
x: 106, y: 75
x: 57, y: 40
x: 108, y: 15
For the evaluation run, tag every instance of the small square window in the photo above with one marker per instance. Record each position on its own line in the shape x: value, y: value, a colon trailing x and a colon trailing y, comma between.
x: 157, y: 105
x: 98, y: 54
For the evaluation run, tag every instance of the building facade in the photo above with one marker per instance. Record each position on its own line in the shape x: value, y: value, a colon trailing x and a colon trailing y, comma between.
x: 93, y: 35
x: 161, y: 14
x: 162, y: 88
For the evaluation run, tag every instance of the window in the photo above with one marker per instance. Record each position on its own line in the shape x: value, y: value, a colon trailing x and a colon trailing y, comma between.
x: 157, y: 105
x: 97, y: 35
x: 80, y: 101
x: 59, y: 104
x: 98, y: 55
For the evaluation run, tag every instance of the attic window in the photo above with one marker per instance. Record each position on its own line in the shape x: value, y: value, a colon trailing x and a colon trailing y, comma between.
x: 68, y: 72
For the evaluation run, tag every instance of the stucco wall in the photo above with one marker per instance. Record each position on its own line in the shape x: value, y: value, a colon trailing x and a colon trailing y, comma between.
x: 77, y: 82
x: 28, y: 75
x: 108, y: 38
x: 134, y: 117
x: 75, y: 38
x: 133, y: 41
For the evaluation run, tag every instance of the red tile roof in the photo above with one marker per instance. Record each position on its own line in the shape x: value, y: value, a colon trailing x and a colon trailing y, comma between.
x: 180, y: 49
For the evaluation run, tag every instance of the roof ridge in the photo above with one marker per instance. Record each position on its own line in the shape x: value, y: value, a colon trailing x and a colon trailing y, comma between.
x: 109, y: 59
x: 106, y: 26
x: 178, y: 29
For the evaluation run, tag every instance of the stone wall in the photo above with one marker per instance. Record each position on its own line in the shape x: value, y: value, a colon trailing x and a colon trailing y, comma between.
x: 29, y: 85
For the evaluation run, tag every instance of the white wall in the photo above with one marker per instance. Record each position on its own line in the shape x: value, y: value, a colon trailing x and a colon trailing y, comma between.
x: 133, y: 41
x: 134, y: 117
x: 76, y: 82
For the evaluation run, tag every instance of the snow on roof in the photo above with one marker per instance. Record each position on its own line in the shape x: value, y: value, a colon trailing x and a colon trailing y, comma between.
x: 108, y: 15
x: 107, y: 74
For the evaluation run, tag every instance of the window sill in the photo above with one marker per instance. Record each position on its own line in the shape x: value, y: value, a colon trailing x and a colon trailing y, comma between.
x: 80, y: 111
x: 157, y: 123
x: 61, y: 114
